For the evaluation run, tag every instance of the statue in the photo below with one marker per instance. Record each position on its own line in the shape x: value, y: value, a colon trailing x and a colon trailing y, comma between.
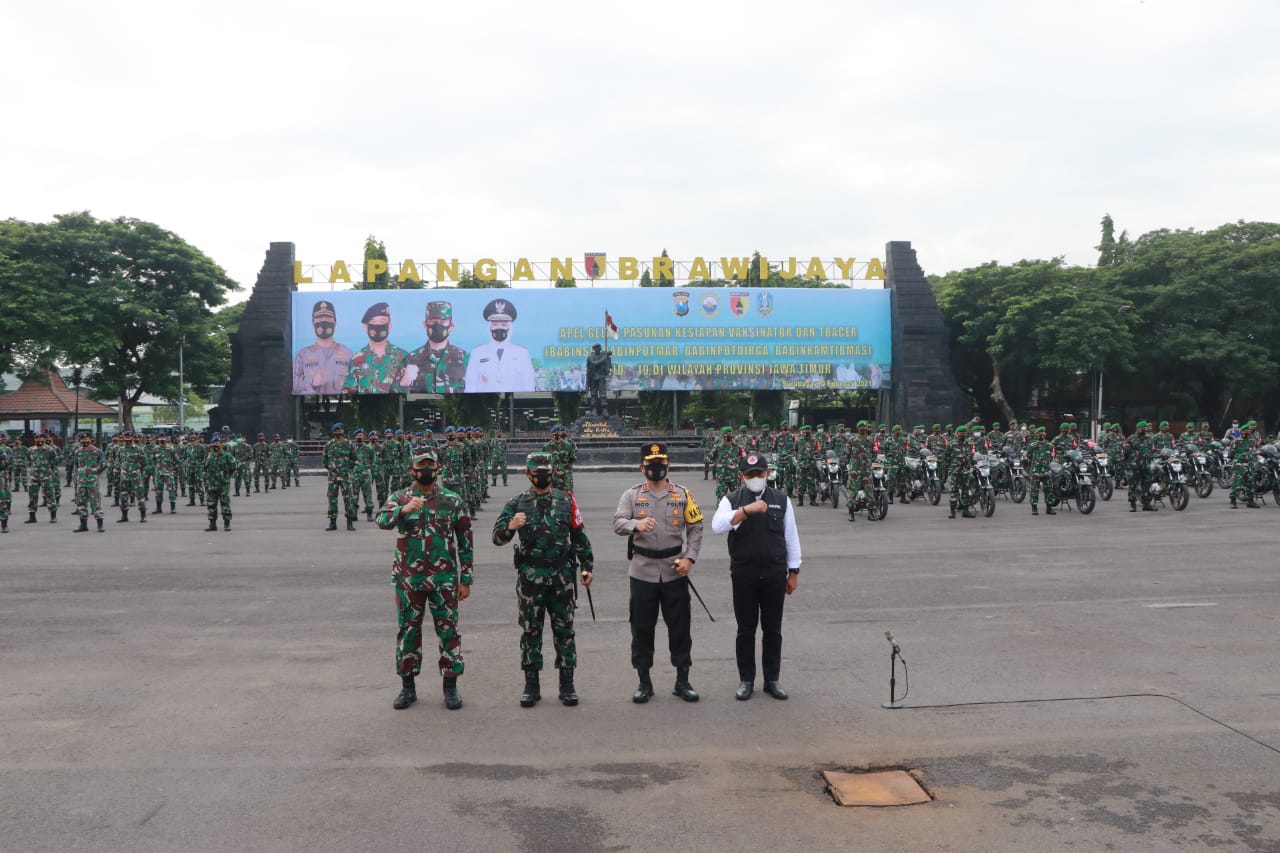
x: 599, y: 367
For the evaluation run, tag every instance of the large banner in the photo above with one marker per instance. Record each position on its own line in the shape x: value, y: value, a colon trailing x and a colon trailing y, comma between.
x: 450, y: 341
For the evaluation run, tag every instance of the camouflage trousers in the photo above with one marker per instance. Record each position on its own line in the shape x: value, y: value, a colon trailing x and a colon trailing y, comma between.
x: 411, y: 607
x: 1036, y: 481
x: 166, y: 484
x: 535, y: 602
x: 1139, y: 484
x: 726, y: 482
x: 786, y: 468
x: 5, y: 501
x: 806, y: 478
x: 128, y: 490
x: 562, y: 480
x: 215, y: 497
x: 349, y: 499
x: 380, y: 483
x: 195, y: 486
x: 261, y: 477
x: 496, y: 467
x: 19, y: 477
x: 291, y: 470
x: 1242, y: 483
x: 362, y: 485
x: 47, y: 480
x: 240, y: 477
x: 960, y: 487
x: 88, y: 499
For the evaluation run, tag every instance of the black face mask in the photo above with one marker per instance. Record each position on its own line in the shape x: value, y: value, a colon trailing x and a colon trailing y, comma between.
x: 437, y: 332
x: 541, y: 479
x: 324, y: 331
x: 498, y: 335
x: 380, y: 332
x: 425, y: 476
x: 655, y: 473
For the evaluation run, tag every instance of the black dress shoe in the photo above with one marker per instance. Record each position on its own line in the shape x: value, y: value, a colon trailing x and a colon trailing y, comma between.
x: 685, y: 691
x: 643, y: 693
x: 744, y: 691
x: 775, y: 690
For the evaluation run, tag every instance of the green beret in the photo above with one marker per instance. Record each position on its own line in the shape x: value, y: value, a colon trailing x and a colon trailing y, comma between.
x: 863, y: 424
x: 1164, y: 423
x: 822, y: 428
x: 897, y: 427
x: 950, y: 426
x: 764, y: 426
x: 743, y: 426
x: 1141, y: 424
x: 1040, y: 431
x: 962, y: 428
x: 937, y: 426
x: 726, y: 429
x: 995, y: 425
x: 806, y: 428
x: 918, y: 426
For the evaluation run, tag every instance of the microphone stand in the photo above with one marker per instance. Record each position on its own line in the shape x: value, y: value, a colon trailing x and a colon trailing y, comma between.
x: 894, y: 653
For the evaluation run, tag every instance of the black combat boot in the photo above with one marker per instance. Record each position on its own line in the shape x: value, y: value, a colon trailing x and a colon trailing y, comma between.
x: 968, y: 513
x: 100, y: 530
x: 452, y: 700
x: 226, y: 524
x: 351, y: 524
x: 1048, y: 510
x: 192, y: 500
x: 1133, y: 506
x: 568, y: 696
x: 53, y: 515
x: 368, y: 515
x: 1147, y: 507
x: 84, y: 525
x: 333, y: 524
x: 4, y: 525
x: 952, y: 514
x: 213, y: 526
x: 173, y: 507
x: 142, y: 512
x: 802, y: 499
x: 124, y: 515
x: 408, y: 693
x: 1233, y: 504
x: 159, y: 508
x: 32, y: 519
x: 683, y: 688
x: 1035, y: 511
x: 1253, y: 504
x: 645, y: 691
x: 532, y: 691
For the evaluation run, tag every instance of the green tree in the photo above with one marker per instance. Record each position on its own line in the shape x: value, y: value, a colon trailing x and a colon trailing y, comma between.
x: 1107, y: 246
x: 665, y: 279
x: 374, y: 250
x: 645, y: 279
x: 566, y: 282
x: 467, y: 280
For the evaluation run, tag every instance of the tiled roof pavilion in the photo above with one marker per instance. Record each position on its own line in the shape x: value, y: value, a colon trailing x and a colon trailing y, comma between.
x: 49, y: 398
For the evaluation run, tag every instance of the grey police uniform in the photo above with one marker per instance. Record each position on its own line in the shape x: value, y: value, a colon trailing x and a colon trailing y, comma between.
x: 654, y: 582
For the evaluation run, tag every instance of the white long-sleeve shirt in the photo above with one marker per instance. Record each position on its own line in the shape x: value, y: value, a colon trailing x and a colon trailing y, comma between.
x: 722, y: 522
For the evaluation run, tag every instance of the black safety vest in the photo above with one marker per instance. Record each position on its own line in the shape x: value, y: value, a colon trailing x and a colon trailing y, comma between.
x: 758, y: 548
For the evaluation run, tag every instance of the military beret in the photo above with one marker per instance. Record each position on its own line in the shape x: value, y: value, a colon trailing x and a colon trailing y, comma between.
x: 448, y: 430
x: 439, y: 310
x: 995, y: 425
x: 336, y: 427
x: 388, y: 431
x: 559, y: 428
x: 742, y: 426
x: 881, y: 426
x: 753, y: 462
x: 216, y: 438
x: 377, y: 309
x: 1040, y: 431
x: 822, y: 428
x: 538, y: 462
x: 262, y: 435
x: 806, y: 428
x: 864, y: 423
x: 950, y: 426
x: 962, y: 428
x: 937, y: 426
x: 764, y: 426
x: 918, y: 426
x: 897, y: 427
x: 1142, y: 424
x: 323, y: 308
x: 424, y: 456
x: 1164, y: 423
x: 500, y: 309
x: 399, y: 432
x: 359, y: 431
x: 653, y: 450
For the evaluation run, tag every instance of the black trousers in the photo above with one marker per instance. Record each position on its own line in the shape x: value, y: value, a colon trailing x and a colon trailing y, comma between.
x: 758, y: 600
x: 672, y: 598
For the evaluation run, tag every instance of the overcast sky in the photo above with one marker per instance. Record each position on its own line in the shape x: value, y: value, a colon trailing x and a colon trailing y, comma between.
x: 977, y: 130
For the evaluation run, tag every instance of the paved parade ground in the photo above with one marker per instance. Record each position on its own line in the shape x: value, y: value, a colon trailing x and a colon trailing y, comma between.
x: 167, y: 689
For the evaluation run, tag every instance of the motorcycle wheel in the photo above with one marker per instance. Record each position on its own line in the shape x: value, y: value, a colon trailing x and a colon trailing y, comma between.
x: 1106, y: 488
x: 935, y: 492
x: 1223, y: 479
x: 1051, y: 497
x: 881, y: 504
x: 1179, y: 495
x: 835, y: 496
x: 1018, y: 490
x: 1204, y: 485
x: 988, y: 502
x: 1085, y: 500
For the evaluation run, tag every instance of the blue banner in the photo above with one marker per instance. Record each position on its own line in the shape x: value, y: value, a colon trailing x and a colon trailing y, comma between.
x: 476, y: 341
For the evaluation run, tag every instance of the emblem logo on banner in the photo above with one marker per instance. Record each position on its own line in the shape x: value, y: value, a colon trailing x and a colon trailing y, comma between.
x: 764, y: 303
x: 739, y: 302
x: 594, y: 264
x: 682, y: 303
x: 710, y: 304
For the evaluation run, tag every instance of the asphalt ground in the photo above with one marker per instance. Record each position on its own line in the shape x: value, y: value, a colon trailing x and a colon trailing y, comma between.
x: 166, y: 689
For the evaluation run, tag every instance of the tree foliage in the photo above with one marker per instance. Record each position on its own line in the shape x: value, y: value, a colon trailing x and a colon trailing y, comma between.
x: 97, y: 293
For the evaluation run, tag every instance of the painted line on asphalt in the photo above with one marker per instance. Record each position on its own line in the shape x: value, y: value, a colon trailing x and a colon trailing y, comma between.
x: 1188, y: 604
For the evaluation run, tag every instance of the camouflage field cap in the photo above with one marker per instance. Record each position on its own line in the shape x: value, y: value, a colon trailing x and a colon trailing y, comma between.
x: 422, y: 457
x: 439, y: 310
x: 538, y: 462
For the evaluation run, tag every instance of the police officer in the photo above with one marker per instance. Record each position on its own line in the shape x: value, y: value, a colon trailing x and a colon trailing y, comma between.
x: 764, y: 568
x: 664, y: 528
x: 321, y: 368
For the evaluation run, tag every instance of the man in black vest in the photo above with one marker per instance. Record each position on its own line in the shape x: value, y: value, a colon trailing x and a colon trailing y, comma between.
x: 764, y: 566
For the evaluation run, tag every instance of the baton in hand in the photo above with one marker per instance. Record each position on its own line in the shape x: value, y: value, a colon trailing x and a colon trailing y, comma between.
x: 590, y: 602
x: 694, y: 589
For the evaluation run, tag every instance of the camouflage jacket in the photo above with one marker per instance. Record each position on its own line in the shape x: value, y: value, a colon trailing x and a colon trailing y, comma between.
x: 372, y: 375
x: 434, y: 541
x: 339, y: 458
x: 89, y: 463
x: 439, y: 371
x: 552, y: 534
x: 217, y: 468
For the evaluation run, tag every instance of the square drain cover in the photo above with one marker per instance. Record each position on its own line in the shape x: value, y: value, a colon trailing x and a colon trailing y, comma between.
x: 882, y: 788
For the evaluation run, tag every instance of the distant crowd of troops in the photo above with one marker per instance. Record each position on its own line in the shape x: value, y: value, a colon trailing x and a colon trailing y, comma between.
x: 794, y: 453
x: 367, y: 467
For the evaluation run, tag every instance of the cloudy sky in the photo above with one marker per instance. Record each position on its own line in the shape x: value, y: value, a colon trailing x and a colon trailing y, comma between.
x: 977, y: 130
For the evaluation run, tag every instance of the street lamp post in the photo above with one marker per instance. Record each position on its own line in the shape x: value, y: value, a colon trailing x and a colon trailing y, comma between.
x: 182, y: 385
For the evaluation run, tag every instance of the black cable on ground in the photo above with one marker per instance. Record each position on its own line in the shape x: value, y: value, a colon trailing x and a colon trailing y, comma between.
x: 1261, y: 743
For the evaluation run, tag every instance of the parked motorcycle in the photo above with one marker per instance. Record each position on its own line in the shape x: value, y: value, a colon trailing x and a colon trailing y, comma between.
x: 828, y: 481
x: 1072, y: 480
x: 1197, y: 461
x: 982, y: 495
x: 875, y: 503
x: 1169, y: 478
x: 1100, y: 465
x: 1008, y: 476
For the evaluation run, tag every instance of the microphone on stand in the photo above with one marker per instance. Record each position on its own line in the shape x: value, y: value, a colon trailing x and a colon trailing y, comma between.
x: 894, y: 653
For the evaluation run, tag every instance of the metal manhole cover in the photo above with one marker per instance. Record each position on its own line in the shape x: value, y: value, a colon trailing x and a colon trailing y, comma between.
x: 879, y: 788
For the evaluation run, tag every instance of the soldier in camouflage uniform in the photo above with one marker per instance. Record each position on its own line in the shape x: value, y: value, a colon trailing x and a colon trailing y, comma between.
x: 806, y: 476
x: 709, y: 441
x: 563, y: 457
x: 437, y: 367
x: 362, y: 473
x: 165, y: 465
x: 242, y: 453
x: 959, y: 460
x: 784, y: 448
x: 1162, y: 440
x: 552, y: 543
x: 857, y: 459
x: 453, y: 465
x: 218, y: 466
x: 379, y: 367
x: 277, y: 463
x: 383, y: 447
x: 88, y: 463
x: 133, y: 461
x: 6, y: 471
x: 1137, y: 454
x: 1039, y: 455
x: 291, y: 454
x: 261, y: 464
x: 339, y: 460
x: 432, y: 571
x: 197, y: 453
x: 745, y: 441
x: 724, y: 460
x: 44, y: 475
x: 498, y: 458
x: 20, y: 461
x: 1244, y: 457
